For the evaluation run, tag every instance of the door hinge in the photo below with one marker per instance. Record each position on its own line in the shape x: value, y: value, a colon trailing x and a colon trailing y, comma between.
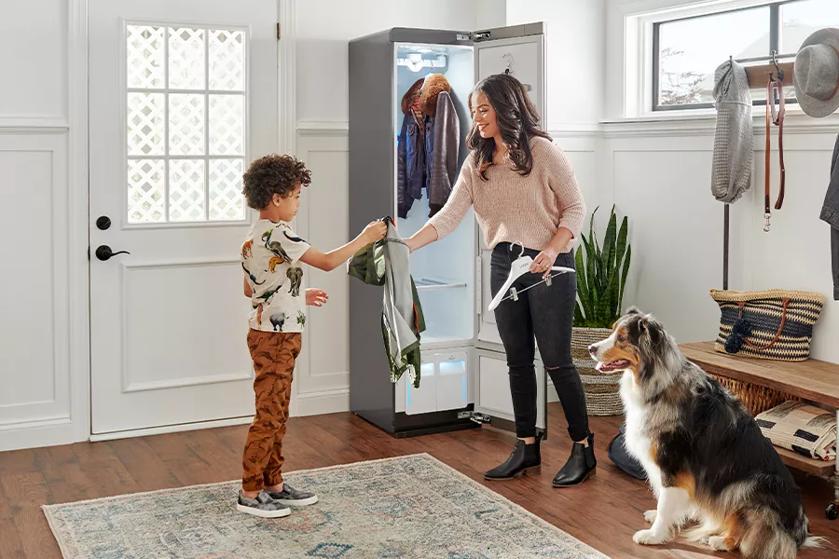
x: 479, y: 288
x: 475, y: 416
x: 279, y: 35
x: 479, y: 36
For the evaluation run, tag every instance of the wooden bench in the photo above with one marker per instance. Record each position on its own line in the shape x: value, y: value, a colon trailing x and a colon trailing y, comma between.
x: 811, y: 380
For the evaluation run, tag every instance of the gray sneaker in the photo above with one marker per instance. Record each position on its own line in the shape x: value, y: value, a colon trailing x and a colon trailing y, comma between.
x: 263, y: 506
x: 292, y: 497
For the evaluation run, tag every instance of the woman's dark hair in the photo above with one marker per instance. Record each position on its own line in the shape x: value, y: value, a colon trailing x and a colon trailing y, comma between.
x: 518, y: 121
x: 273, y: 174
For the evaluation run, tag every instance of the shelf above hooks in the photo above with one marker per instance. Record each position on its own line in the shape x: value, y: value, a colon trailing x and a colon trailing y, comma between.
x: 759, y: 75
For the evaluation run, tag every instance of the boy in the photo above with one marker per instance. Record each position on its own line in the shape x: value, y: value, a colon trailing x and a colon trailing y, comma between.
x: 270, y: 259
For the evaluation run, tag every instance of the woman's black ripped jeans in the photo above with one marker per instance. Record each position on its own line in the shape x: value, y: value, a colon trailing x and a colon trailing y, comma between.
x: 546, y: 312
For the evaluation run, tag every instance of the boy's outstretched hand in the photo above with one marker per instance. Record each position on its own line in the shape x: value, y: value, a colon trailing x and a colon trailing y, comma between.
x: 316, y: 297
x: 375, y: 231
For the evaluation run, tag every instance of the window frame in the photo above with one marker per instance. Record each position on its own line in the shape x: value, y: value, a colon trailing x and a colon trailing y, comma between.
x: 774, y: 42
x: 166, y: 91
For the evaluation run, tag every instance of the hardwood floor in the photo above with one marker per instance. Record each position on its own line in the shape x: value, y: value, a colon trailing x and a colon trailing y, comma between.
x: 604, y: 512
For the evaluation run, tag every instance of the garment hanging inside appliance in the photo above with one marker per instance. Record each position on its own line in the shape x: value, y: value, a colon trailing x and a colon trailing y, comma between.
x: 429, y: 141
x: 444, y: 271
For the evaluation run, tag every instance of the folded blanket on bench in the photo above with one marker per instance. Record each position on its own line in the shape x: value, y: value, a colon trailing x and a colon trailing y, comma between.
x: 802, y: 428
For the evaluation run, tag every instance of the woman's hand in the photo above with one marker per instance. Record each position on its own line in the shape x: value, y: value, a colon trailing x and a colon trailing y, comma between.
x: 543, y: 261
x: 316, y: 297
x: 375, y: 231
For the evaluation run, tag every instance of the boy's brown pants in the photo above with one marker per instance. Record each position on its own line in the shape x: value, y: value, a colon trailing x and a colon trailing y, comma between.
x: 273, y: 356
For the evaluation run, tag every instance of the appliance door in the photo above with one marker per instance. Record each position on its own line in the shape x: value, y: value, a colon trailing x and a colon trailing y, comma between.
x: 519, y: 51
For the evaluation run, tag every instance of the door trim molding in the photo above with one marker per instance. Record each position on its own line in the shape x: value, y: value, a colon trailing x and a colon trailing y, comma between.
x: 170, y: 429
x: 39, y: 124
x: 78, y: 160
x: 127, y: 384
x: 30, y: 422
x: 286, y: 78
x: 180, y: 262
x: 189, y: 381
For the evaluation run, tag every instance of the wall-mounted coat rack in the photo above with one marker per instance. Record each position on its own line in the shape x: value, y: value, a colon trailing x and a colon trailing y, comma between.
x: 758, y: 76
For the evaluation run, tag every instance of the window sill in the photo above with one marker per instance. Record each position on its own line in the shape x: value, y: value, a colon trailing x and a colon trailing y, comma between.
x: 703, y: 124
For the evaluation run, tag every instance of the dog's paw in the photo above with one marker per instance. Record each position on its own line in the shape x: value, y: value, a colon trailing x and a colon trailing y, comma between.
x: 719, y: 543
x: 650, y: 515
x: 648, y: 537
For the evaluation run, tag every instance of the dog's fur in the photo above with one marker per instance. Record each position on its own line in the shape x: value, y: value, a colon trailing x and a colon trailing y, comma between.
x: 705, y: 457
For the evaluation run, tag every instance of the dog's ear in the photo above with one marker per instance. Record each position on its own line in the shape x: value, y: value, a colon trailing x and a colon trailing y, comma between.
x: 630, y: 312
x: 650, y: 326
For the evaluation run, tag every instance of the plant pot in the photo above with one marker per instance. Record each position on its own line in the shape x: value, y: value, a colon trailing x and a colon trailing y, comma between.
x: 601, y: 390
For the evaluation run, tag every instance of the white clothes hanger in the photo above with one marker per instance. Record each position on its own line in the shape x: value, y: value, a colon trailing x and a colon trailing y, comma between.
x: 518, y: 268
x: 508, y: 62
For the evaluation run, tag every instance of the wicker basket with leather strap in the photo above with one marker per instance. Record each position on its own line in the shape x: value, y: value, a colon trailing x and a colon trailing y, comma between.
x: 772, y: 324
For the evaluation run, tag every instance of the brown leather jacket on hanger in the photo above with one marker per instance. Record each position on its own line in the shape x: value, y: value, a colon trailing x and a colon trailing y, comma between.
x: 442, y: 140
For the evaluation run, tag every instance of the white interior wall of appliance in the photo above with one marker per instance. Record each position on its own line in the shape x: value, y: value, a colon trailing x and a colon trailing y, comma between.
x: 449, y: 311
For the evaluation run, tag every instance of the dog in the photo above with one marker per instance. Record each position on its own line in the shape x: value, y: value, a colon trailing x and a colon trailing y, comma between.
x: 710, y: 467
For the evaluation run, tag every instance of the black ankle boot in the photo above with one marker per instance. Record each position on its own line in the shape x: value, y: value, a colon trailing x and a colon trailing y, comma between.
x: 579, y: 467
x: 523, y: 458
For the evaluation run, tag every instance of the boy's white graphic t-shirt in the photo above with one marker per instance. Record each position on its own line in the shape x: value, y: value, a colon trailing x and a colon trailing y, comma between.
x: 270, y: 258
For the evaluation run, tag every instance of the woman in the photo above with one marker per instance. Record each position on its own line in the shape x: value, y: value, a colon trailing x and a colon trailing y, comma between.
x: 524, y: 193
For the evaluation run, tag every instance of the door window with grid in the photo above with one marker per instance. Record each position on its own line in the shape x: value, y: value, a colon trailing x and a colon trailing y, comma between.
x: 186, y: 114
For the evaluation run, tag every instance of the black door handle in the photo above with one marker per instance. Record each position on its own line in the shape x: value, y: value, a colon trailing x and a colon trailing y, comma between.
x: 104, y: 252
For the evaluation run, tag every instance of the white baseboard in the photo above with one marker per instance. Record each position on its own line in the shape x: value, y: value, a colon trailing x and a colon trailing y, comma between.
x: 40, y: 435
x: 301, y: 405
x: 318, y: 403
x: 48, y: 432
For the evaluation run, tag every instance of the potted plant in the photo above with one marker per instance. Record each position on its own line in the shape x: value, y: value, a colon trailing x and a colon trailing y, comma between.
x: 601, y: 278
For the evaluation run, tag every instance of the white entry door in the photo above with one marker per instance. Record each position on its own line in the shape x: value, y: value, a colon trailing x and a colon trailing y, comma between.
x: 183, y: 93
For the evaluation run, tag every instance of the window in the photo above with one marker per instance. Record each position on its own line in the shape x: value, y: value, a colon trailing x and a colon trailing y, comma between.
x: 185, y: 123
x: 686, y: 51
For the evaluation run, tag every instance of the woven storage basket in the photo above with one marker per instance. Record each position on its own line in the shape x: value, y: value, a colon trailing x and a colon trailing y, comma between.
x: 779, y: 323
x: 755, y: 398
x: 601, y: 390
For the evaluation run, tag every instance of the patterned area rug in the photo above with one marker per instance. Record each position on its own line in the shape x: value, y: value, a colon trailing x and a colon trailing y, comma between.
x: 409, y: 507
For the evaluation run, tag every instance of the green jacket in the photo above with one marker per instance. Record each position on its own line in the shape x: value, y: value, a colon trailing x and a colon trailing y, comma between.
x: 386, y: 263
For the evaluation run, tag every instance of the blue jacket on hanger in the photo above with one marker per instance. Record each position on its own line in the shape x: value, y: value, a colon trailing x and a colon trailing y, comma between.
x: 410, y: 177
x: 428, y: 146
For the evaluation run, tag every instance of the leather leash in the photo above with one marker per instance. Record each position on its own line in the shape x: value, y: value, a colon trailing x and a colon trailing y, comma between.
x: 774, y: 115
